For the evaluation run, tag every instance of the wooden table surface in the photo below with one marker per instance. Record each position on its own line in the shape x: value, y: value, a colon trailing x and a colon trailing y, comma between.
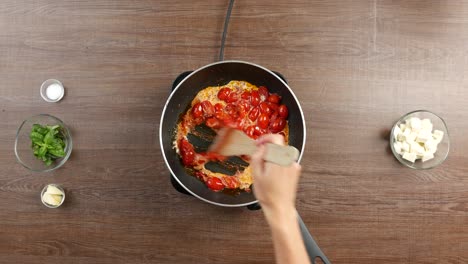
x: 356, y: 67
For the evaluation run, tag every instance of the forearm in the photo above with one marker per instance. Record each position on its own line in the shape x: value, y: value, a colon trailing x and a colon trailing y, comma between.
x: 287, y: 239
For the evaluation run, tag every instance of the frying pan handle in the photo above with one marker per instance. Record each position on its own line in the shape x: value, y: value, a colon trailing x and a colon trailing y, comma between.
x: 311, y: 246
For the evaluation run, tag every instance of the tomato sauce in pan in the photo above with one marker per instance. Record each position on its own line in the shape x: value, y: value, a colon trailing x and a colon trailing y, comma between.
x: 237, y: 104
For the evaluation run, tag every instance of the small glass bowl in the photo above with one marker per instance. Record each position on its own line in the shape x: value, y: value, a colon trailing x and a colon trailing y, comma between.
x: 442, y: 148
x: 45, y: 189
x: 23, y: 150
x: 43, y: 90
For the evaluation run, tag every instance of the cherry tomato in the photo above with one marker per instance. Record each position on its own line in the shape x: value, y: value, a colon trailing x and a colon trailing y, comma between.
x: 274, y: 98
x: 208, y: 109
x: 250, y: 131
x: 186, y: 152
x: 263, y: 92
x: 283, y: 111
x: 231, y: 182
x: 197, y: 110
x: 255, y: 98
x: 265, y: 109
x: 239, y: 123
x: 212, y: 122
x: 242, y: 109
x: 277, y: 125
x: 224, y: 93
x: 230, y: 122
x: 258, y: 131
x: 215, y: 184
x: 245, y: 95
x: 254, y: 113
x: 218, y: 107
x: 263, y: 121
x: 273, y: 116
x: 200, y: 175
x: 233, y: 97
x: 231, y: 110
x: 273, y: 107
x: 219, y: 113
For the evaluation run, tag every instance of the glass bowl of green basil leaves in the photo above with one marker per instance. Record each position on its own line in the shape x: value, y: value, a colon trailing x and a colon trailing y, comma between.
x: 43, y: 143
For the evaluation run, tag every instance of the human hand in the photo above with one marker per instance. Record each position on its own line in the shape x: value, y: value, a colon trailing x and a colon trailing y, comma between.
x: 275, y: 185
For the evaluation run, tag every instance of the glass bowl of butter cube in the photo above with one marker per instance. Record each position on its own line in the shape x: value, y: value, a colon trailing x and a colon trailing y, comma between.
x: 52, y: 195
x: 420, y: 140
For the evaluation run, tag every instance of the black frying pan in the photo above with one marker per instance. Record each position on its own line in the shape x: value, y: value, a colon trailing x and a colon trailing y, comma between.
x: 221, y: 73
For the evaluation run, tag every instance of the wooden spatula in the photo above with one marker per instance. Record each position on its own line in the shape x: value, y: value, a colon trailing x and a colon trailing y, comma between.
x: 232, y: 142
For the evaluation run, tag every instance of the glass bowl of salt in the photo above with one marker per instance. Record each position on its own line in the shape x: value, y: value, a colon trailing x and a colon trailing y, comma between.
x: 52, y: 90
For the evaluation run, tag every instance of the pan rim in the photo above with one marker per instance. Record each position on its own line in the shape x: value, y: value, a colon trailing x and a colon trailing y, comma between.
x: 177, y: 87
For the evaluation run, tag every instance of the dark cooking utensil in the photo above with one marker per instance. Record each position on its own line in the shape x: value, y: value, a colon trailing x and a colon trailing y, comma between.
x: 220, y: 73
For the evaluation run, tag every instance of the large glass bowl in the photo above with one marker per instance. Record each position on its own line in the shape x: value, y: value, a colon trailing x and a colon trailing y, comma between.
x: 442, y: 149
x: 23, y: 150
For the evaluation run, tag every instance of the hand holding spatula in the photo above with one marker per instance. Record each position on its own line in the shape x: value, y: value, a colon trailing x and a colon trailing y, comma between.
x: 232, y: 142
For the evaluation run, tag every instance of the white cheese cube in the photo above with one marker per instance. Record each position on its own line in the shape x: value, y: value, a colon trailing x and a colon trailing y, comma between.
x: 411, y: 157
x: 438, y: 135
x: 397, y: 147
x: 402, y: 136
x: 402, y: 126
x: 415, y: 124
x: 417, y: 149
x: 408, y: 123
x: 426, y: 124
x: 405, y: 147
x: 423, y: 136
x: 427, y: 156
x: 430, y: 146
x: 396, y: 132
x: 411, y: 137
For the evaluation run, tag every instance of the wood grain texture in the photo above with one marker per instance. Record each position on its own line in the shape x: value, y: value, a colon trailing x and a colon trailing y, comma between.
x: 356, y: 66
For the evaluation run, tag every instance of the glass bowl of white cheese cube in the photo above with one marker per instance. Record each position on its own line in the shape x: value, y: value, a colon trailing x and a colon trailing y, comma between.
x: 420, y: 140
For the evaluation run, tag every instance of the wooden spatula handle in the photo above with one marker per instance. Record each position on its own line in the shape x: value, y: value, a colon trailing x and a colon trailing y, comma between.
x: 281, y: 155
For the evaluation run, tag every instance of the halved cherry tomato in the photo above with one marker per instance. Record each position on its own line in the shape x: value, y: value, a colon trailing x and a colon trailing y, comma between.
x: 263, y: 121
x: 230, y: 122
x: 187, y: 152
x: 274, y: 98
x: 200, y: 175
x: 277, y: 125
x: 212, y: 122
x: 233, y: 97
x: 263, y: 92
x: 231, y: 182
x: 265, y: 109
x: 208, y: 109
x: 254, y: 113
x: 215, y: 184
x: 197, y: 110
x: 255, y: 98
x: 245, y: 95
x: 224, y: 93
x: 219, y: 113
x: 250, y: 131
x: 283, y: 111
